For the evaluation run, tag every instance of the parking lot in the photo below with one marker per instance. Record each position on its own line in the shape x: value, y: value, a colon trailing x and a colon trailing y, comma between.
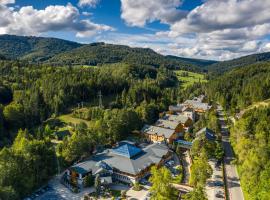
x: 215, y: 185
x: 56, y: 191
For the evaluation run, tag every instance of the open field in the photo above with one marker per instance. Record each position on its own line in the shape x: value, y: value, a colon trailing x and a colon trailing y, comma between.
x: 69, y: 119
x: 190, y: 78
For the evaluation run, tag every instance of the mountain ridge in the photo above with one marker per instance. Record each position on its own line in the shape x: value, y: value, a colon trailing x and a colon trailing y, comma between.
x: 46, y: 49
x: 224, y: 66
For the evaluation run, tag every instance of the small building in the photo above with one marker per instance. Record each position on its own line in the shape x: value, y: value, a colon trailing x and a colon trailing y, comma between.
x: 209, y: 134
x: 184, y: 144
x: 177, y: 126
x: 126, y: 163
x: 159, y: 134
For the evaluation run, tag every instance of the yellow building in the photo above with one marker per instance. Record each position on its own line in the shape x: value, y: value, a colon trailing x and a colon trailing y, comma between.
x: 159, y: 134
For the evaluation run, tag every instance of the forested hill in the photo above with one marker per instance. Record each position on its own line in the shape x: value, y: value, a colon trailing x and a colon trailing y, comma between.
x: 221, y: 67
x: 100, y: 53
x: 33, y: 48
x: 242, y: 86
x: 198, y: 62
x: 58, y: 52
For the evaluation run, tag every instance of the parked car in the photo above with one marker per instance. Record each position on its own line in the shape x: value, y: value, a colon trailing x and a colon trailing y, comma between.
x: 219, y: 195
x: 219, y: 183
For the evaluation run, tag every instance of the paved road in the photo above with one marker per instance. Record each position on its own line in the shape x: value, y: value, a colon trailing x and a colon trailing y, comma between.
x: 232, y: 178
x: 215, y: 185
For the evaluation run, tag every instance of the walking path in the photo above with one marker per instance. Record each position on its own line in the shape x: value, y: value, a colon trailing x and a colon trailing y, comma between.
x: 231, y: 176
x: 186, y: 165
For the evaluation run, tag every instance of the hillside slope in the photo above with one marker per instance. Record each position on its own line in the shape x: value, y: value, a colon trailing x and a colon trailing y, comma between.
x: 221, y: 67
x: 100, y: 53
x: 58, y: 51
x: 33, y: 48
x: 198, y: 62
x: 241, y: 87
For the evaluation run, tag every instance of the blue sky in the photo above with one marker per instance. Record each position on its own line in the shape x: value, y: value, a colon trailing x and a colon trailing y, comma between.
x: 210, y: 29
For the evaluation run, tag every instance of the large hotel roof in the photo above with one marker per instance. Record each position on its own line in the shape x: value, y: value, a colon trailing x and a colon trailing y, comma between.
x: 121, y: 160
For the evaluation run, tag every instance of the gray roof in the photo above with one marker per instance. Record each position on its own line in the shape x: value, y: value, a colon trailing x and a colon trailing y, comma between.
x: 88, y: 165
x: 177, y: 108
x: 197, y: 104
x: 180, y: 118
x: 148, y: 129
x: 167, y: 124
x: 152, y: 154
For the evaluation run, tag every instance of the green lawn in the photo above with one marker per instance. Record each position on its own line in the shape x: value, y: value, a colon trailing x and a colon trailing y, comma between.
x: 190, y: 79
x: 69, y: 119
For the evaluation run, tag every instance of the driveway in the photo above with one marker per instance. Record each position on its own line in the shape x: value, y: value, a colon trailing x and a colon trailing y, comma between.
x: 60, y: 192
x: 215, y: 185
x: 231, y: 175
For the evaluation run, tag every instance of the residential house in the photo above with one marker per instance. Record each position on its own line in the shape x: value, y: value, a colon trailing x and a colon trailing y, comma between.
x: 159, y: 134
x: 177, y: 126
x: 209, y: 134
x: 180, y: 118
x: 197, y: 106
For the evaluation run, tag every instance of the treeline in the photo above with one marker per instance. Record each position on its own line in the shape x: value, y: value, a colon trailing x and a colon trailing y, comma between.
x: 241, y: 87
x: 251, y: 141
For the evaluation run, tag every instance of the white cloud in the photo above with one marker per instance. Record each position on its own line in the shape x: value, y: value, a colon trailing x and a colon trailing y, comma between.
x: 202, y: 46
x: 30, y: 21
x: 90, y: 29
x: 139, y: 12
x: 217, y: 29
x: 86, y: 13
x: 91, y: 3
x: 266, y: 47
x: 224, y: 14
x: 5, y: 2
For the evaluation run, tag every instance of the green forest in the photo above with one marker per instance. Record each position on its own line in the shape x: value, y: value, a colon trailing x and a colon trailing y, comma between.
x: 250, y: 139
x: 241, y: 87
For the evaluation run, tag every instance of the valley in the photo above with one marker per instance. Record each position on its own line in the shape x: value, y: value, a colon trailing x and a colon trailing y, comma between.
x: 117, y: 121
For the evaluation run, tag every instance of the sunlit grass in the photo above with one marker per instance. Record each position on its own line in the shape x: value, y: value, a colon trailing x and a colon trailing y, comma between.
x: 190, y: 79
